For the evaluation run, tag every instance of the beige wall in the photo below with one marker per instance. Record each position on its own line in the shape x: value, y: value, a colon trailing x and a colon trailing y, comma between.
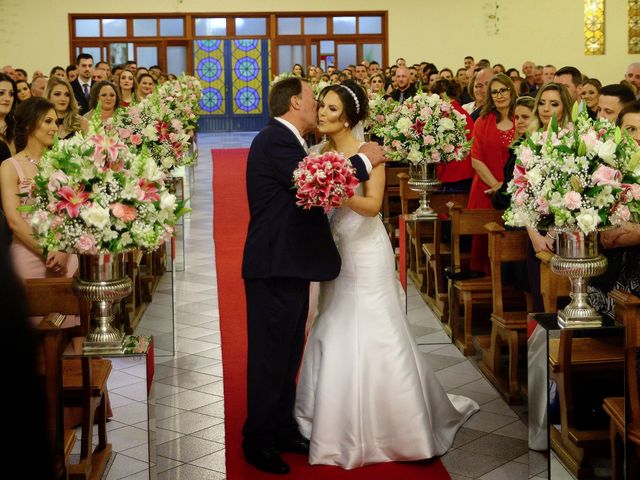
x: 34, y: 33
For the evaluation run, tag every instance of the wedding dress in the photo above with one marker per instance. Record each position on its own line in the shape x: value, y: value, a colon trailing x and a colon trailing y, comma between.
x: 365, y: 392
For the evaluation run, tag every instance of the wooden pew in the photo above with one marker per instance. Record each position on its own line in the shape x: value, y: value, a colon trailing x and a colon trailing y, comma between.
x: 508, y: 328
x: 468, y: 293
x: 626, y: 435
x: 576, y: 364
x: 84, y: 379
x: 552, y: 286
x: 391, y: 204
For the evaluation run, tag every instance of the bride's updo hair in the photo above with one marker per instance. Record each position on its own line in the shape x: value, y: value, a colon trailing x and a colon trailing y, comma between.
x: 354, y: 99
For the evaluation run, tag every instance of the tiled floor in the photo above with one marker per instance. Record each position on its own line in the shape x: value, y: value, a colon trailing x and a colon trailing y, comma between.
x: 188, y: 386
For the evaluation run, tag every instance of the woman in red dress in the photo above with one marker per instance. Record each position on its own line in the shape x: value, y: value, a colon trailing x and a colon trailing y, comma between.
x: 492, y: 134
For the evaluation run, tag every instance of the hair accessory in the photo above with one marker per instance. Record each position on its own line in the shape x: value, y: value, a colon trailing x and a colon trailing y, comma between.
x: 355, y: 97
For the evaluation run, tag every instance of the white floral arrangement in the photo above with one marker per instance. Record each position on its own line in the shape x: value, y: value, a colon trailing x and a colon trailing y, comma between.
x: 93, y: 195
x: 281, y: 76
x: 582, y: 177
x: 318, y: 87
x: 379, y: 109
x: 425, y: 128
x: 182, y: 97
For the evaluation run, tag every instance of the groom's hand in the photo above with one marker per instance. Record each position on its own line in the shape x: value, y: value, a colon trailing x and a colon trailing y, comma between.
x: 374, y: 153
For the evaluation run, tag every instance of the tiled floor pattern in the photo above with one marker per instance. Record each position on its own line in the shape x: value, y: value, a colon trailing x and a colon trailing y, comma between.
x: 188, y: 386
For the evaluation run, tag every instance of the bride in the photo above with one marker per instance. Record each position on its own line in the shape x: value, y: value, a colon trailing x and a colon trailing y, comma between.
x: 365, y: 393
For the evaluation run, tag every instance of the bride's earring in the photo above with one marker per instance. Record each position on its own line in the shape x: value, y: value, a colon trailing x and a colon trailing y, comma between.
x: 346, y: 124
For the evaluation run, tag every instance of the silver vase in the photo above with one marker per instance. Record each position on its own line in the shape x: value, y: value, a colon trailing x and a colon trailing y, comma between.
x: 577, y: 257
x: 101, y: 284
x: 423, y: 178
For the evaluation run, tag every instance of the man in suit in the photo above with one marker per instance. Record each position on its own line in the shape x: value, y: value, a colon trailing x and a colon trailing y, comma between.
x: 405, y: 89
x: 287, y: 247
x: 82, y: 84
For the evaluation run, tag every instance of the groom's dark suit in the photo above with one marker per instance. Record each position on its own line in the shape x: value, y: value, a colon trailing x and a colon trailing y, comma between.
x: 286, y: 248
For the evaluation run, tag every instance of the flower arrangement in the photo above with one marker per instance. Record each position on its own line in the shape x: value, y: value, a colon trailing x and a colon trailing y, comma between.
x: 379, y: 109
x: 324, y: 180
x: 582, y: 177
x: 281, y: 76
x: 318, y: 87
x: 163, y: 122
x: 93, y: 195
x: 425, y: 128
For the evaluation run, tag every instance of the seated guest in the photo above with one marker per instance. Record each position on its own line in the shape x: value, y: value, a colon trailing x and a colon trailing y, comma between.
x: 38, y: 86
x: 455, y: 176
x: 60, y: 93
x: 35, y: 130
x: 146, y: 85
x: 59, y: 72
x: 590, y: 95
x: 632, y: 76
x: 107, y: 95
x: 629, y: 120
x: 376, y: 84
x: 571, y: 78
x: 405, y: 89
x: 8, y: 104
x: 613, y: 98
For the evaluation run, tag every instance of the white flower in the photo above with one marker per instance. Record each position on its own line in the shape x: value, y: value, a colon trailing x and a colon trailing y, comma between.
x: 404, y: 124
x: 607, y: 151
x: 167, y: 201
x: 446, y: 124
x: 534, y: 175
x: 96, y: 216
x: 415, y: 156
x: 588, y: 220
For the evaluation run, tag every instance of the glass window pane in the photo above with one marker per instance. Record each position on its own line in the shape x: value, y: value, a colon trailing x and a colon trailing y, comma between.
x: 288, y: 56
x: 314, y: 55
x: 176, y: 60
x: 346, y: 55
x: 370, y: 25
x: 315, y: 26
x: 118, y: 53
x: 171, y: 27
x: 289, y: 26
x: 114, y: 27
x: 342, y: 25
x: 146, y: 56
x: 251, y: 26
x: 95, y: 52
x: 88, y: 28
x: 145, y: 27
x: 211, y: 26
x: 327, y: 46
x: 372, y: 51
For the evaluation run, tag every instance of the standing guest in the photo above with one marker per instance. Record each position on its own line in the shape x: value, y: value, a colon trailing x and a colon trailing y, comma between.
x: 469, y: 62
x: 529, y: 72
x: 571, y: 78
x: 360, y: 73
x: 107, y: 95
x: 10, y: 71
x: 72, y: 73
x: 401, y: 62
x: 128, y: 87
x: 374, y: 67
x: 105, y: 68
x: 141, y: 71
x: 59, y: 72
x: 633, y: 76
x: 146, y: 84
x: 455, y: 176
x: 155, y: 71
x: 69, y: 121
x: 499, y: 68
x: 405, y: 89
x: 493, y: 133
x: 162, y: 78
x: 297, y: 70
x: 36, y: 74
x: 629, y: 120
x: 21, y: 74
x: 8, y: 104
x: 35, y: 131
x: 480, y: 86
x: 116, y: 71
x: 82, y: 85
x: 548, y: 72
x: 97, y: 76
x: 513, y: 73
x: 24, y: 90
x: 590, y: 95
x: 287, y: 247
x: 377, y: 83
x: 613, y: 98
x: 38, y: 86
x: 131, y: 65
x: 446, y: 74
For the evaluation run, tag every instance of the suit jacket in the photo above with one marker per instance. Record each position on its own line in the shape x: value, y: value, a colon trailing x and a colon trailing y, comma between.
x: 408, y: 93
x: 283, y: 239
x: 83, y: 103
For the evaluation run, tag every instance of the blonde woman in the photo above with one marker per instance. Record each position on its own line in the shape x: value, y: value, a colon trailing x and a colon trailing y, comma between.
x: 69, y: 121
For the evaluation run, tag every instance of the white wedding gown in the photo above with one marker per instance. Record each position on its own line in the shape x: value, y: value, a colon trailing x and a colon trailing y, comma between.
x: 366, y: 393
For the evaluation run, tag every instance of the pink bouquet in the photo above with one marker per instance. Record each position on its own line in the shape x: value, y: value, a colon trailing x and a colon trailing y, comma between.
x: 324, y: 180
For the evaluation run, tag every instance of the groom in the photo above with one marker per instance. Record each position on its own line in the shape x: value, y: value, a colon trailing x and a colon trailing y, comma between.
x: 286, y: 248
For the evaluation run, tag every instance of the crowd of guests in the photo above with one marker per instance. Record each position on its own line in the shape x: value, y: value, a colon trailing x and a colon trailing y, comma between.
x: 501, y: 105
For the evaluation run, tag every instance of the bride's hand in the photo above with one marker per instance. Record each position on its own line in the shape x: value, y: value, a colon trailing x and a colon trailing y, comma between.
x: 374, y: 153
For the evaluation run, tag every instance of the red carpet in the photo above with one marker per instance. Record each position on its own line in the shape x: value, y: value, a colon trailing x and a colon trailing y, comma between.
x: 231, y: 217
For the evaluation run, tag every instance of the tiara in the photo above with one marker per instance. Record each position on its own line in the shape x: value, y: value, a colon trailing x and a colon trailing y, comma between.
x: 355, y: 98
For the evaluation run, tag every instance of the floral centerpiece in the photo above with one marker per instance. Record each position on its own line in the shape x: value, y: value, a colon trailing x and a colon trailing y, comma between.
x: 281, y: 76
x: 379, y: 109
x: 318, y: 87
x: 425, y: 128
x: 582, y: 177
x: 93, y: 195
x: 182, y: 97
x: 324, y: 180
x: 576, y: 180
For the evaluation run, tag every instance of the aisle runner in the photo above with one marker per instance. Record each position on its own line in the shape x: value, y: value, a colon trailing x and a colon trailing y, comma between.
x: 231, y: 217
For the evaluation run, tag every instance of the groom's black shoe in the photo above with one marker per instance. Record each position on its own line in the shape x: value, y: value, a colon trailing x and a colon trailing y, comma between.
x: 297, y: 444
x: 266, y: 459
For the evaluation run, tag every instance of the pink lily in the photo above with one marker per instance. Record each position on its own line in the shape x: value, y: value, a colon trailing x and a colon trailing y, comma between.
x: 107, y: 144
x: 72, y: 200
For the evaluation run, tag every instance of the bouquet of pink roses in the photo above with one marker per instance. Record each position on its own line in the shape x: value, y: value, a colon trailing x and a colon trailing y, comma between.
x: 324, y: 180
